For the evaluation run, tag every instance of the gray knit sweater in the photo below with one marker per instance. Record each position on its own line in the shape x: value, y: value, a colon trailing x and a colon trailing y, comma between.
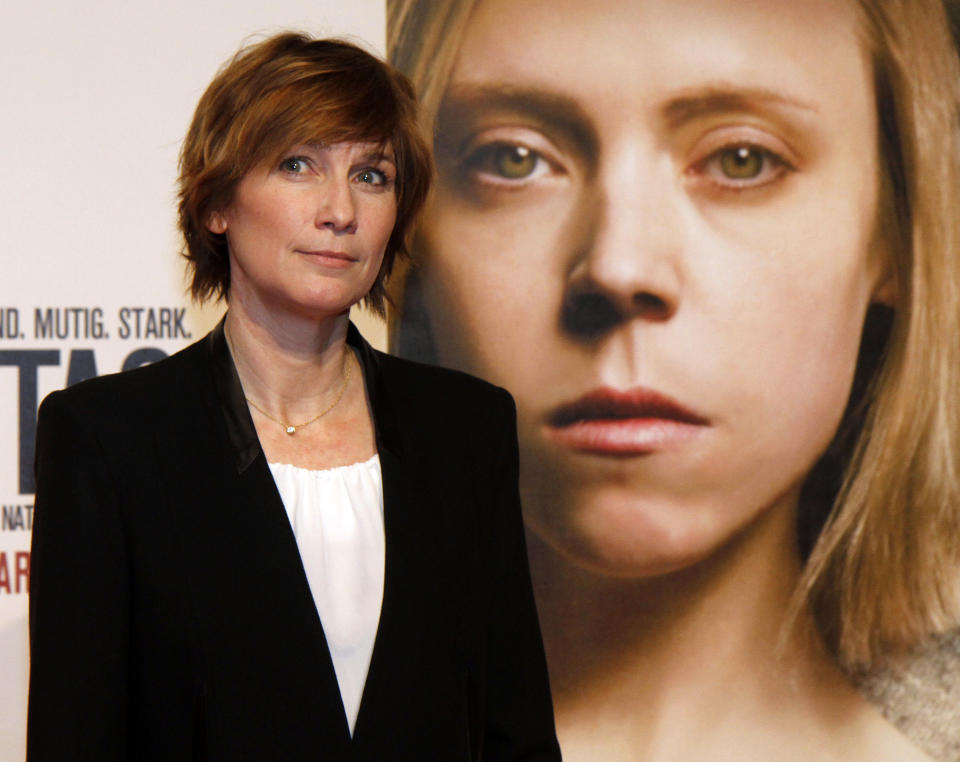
x: 922, y: 697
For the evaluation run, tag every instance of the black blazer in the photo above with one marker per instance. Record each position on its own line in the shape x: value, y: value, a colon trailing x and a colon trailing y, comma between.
x: 170, y: 616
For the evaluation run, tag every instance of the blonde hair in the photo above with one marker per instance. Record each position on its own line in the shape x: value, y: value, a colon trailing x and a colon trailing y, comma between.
x: 884, y: 569
x: 883, y: 574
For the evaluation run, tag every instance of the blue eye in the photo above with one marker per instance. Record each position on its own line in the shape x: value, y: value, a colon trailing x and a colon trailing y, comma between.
x: 294, y: 164
x: 372, y: 177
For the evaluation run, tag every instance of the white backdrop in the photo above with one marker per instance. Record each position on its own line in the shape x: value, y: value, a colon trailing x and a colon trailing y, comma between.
x: 96, y: 97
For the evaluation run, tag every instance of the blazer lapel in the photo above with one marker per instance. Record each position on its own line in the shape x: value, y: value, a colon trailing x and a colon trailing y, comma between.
x: 399, y: 468
x: 381, y: 691
x: 258, y: 521
x: 415, y: 669
x: 269, y: 527
x: 251, y: 584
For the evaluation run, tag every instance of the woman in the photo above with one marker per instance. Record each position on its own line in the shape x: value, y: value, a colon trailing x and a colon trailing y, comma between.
x: 678, y: 234
x: 278, y: 543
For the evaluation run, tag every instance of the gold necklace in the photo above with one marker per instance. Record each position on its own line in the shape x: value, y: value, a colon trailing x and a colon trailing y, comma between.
x: 291, y: 428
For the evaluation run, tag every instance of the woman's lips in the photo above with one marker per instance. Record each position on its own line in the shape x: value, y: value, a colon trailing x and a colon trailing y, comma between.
x: 329, y: 258
x: 633, y: 422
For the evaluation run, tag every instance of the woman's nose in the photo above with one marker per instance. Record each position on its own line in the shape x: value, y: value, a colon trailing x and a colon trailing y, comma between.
x: 627, y: 262
x: 336, y: 210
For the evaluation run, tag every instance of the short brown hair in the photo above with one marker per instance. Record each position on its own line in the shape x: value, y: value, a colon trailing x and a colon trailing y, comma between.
x: 283, y: 91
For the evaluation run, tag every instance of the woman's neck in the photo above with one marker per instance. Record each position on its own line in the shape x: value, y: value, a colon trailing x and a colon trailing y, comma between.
x: 680, y: 666
x: 305, y: 389
x: 289, y: 365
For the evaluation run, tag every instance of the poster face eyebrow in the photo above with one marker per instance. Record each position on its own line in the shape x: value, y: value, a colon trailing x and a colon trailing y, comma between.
x: 724, y: 98
x: 467, y: 105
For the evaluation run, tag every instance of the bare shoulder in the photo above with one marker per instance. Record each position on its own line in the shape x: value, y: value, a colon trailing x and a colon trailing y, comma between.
x: 860, y: 734
x: 882, y: 742
x: 839, y: 724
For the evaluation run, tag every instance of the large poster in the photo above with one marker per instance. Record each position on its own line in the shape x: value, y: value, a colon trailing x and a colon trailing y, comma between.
x: 97, y: 97
x: 643, y: 229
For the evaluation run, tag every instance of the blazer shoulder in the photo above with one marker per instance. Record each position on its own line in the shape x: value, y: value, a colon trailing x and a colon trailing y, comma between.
x: 132, y: 392
x: 442, y: 387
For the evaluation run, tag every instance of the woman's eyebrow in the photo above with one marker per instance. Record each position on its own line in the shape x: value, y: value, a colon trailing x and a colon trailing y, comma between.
x: 719, y: 99
x: 386, y: 156
x: 376, y: 155
x: 464, y: 103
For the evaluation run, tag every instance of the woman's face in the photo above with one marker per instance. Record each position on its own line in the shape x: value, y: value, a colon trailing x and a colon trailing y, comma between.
x: 654, y: 227
x: 307, y: 234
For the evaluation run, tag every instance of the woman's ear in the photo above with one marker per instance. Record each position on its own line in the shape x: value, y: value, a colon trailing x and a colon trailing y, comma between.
x: 882, y: 260
x: 886, y: 291
x: 217, y: 223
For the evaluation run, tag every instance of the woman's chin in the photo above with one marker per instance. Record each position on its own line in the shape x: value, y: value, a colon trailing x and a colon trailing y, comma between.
x: 634, y: 541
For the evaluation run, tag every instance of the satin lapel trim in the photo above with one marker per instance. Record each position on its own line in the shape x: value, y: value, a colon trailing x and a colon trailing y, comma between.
x: 401, y: 537
x: 262, y: 496
x: 398, y: 470
x: 269, y: 521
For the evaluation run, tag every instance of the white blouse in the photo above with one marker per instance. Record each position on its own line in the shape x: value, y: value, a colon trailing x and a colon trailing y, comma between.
x: 337, y: 518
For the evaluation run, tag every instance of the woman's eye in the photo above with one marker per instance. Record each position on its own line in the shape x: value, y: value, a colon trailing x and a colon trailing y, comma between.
x: 507, y: 161
x: 742, y: 166
x: 372, y: 177
x: 294, y: 164
x: 741, y: 163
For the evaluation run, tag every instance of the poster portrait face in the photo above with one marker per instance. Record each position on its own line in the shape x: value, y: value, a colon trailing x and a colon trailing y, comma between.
x: 703, y: 244
x: 654, y: 225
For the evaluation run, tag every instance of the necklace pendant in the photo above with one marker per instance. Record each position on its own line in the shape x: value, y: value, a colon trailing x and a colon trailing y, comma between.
x: 291, y: 429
